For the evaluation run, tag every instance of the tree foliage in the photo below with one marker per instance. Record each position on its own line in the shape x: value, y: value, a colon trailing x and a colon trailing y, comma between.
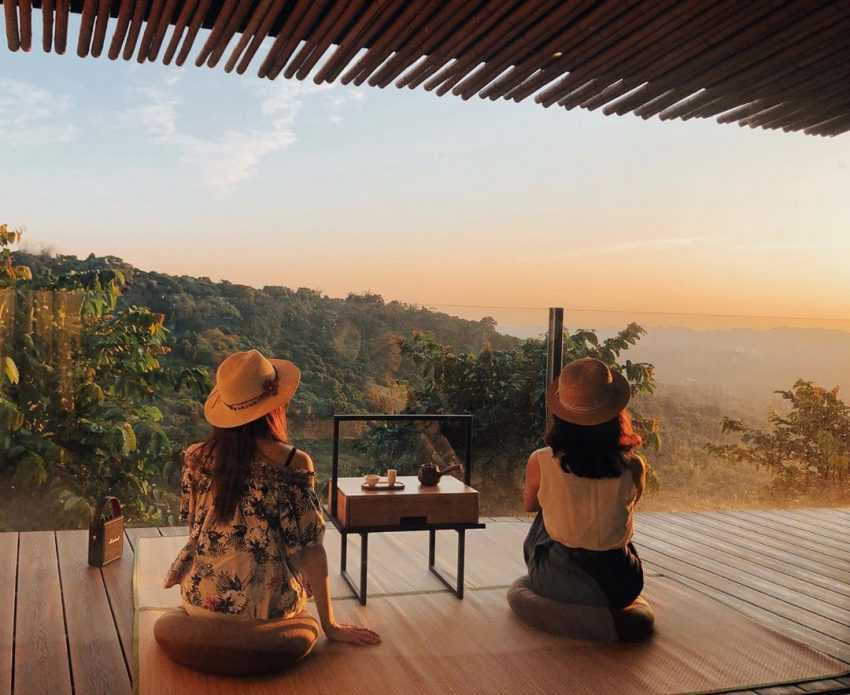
x: 77, y: 399
x: 503, y: 389
x: 808, y: 445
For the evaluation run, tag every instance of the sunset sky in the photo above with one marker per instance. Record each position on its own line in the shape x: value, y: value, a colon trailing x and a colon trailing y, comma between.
x: 424, y: 199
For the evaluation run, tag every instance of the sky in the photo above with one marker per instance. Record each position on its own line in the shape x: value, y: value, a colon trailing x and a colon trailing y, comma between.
x: 425, y: 199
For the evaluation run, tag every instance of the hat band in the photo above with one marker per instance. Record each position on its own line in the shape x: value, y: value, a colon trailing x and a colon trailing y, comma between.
x: 269, y: 390
x: 584, y: 408
x: 579, y: 408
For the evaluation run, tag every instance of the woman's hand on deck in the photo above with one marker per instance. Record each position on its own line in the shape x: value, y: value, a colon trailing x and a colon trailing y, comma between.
x: 352, y: 634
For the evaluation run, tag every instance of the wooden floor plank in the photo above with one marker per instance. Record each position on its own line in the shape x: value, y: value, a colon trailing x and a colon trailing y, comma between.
x: 836, y: 513
x: 750, y: 542
x: 8, y: 577
x: 802, y: 557
x: 789, y: 628
x: 768, y: 529
x: 831, y: 631
x: 41, y: 650
x: 97, y: 662
x: 837, y: 524
x: 779, y: 562
x: 815, y: 609
x: 698, y: 547
x: 788, y: 524
x: 835, y: 533
x: 824, y: 686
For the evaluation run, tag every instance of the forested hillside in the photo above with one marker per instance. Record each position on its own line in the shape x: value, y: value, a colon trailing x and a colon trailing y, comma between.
x: 346, y: 348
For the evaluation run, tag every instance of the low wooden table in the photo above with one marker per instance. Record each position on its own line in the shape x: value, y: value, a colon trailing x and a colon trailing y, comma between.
x: 450, y: 505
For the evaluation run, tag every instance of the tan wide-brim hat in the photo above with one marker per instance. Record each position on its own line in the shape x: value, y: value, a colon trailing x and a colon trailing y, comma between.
x: 588, y: 393
x: 249, y: 386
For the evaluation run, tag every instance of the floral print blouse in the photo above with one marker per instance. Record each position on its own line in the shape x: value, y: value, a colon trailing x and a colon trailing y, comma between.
x: 247, y: 567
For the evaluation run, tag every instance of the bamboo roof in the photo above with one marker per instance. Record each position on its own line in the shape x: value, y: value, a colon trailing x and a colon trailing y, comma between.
x: 768, y: 64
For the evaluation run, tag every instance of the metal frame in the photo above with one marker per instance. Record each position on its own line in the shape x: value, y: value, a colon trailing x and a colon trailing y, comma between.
x: 461, y: 556
x: 359, y: 589
x: 554, y: 349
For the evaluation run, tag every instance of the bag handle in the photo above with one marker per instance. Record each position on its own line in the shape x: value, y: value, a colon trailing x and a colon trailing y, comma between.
x: 116, y: 508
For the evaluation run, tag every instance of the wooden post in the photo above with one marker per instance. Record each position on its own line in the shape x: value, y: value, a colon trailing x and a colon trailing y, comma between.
x: 555, y: 348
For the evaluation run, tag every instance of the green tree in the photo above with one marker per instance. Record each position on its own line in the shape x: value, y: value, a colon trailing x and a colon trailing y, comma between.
x: 78, y: 414
x: 807, y: 446
x: 503, y: 389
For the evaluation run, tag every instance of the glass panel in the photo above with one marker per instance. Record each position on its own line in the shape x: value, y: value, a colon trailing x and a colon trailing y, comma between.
x: 741, y: 370
x: 440, y: 359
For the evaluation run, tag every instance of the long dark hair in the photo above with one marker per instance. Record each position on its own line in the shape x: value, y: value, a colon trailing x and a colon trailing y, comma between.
x: 596, y: 451
x: 228, y: 453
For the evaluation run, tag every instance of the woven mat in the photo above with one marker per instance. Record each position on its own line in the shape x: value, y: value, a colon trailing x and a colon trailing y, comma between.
x: 435, y: 644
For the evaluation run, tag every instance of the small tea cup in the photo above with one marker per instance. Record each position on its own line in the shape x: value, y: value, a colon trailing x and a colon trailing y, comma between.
x: 372, y: 479
x: 392, y: 473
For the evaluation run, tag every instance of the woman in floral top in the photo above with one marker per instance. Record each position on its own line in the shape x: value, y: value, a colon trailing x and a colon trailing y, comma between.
x: 255, y: 523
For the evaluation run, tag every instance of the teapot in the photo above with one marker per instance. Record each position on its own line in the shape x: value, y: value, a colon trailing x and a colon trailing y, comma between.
x: 430, y: 474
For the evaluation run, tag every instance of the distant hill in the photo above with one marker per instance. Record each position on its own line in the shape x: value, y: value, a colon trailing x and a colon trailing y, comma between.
x: 347, y: 347
x: 748, y: 364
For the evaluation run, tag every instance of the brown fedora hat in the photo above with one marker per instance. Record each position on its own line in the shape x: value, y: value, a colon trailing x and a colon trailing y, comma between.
x: 587, y: 392
x: 249, y: 386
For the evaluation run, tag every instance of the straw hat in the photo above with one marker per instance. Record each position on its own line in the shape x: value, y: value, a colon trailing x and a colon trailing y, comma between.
x: 588, y: 393
x: 248, y: 386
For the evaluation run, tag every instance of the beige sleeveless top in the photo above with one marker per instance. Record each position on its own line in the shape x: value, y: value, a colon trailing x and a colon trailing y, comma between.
x: 590, y: 513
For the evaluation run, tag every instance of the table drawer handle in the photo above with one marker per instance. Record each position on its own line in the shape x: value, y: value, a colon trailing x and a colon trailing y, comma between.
x: 412, y: 520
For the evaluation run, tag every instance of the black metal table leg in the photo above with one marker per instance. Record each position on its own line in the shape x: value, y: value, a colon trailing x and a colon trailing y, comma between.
x: 359, y: 592
x: 461, y: 555
x: 364, y: 565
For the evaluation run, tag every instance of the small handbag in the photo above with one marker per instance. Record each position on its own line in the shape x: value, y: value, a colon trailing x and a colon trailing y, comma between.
x: 106, y: 533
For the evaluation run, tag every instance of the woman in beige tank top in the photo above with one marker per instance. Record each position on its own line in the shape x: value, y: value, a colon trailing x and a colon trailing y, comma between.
x: 585, y: 485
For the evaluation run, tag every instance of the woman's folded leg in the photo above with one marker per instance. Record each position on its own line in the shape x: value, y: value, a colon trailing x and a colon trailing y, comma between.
x: 227, y: 646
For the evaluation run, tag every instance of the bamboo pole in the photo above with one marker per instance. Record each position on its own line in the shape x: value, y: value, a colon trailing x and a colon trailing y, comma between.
x: 135, y: 28
x: 182, y: 20
x: 25, y: 15
x: 10, y: 13
x: 124, y: 13
x: 255, y: 35
x: 103, y: 9
x: 194, y: 27
x: 47, y: 25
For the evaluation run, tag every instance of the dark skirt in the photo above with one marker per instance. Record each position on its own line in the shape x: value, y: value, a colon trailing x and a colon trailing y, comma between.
x: 611, y: 578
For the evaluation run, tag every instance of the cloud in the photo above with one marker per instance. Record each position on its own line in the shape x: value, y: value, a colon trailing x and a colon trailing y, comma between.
x: 336, y: 103
x: 230, y: 157
x: 33, y: 116
x: 661, y: 243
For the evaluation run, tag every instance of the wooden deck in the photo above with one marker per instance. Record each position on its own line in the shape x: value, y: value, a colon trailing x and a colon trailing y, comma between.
x: 66, y: 628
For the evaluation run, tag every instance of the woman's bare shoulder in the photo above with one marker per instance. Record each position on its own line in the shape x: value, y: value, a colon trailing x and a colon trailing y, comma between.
x: 635, y: 464
x: 302, y: 462
x: 542, y: 454
x: 278, y: 453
